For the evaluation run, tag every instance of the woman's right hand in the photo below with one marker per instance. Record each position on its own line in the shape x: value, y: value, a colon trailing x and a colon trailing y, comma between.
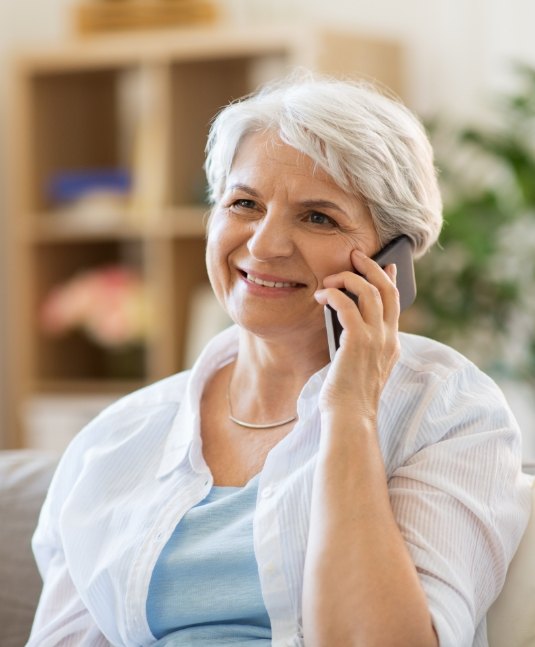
x: 369, y: 344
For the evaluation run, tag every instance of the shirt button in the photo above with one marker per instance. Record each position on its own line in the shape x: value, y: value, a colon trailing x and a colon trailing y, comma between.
x: 267, y: 492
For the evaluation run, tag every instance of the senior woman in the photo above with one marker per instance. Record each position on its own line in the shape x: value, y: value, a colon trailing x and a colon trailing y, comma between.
x: 270, y: 496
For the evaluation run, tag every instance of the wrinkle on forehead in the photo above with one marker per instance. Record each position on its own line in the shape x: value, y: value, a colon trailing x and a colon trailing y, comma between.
x: 275, y: 151
x: 272, y: 143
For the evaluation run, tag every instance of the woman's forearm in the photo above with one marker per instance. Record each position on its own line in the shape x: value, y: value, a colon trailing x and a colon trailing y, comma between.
x: 360, y: 585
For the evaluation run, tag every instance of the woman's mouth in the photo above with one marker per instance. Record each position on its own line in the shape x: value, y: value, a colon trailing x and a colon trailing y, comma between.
x: 267, y: 283
x: 270, y: 284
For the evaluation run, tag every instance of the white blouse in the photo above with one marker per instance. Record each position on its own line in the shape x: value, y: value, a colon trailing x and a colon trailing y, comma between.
x: 452, y: 455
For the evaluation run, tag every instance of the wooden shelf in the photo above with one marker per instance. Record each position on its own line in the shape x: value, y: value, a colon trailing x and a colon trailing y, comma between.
x: 176, y: 44
x: 83, y: 387
x: 183, y: 222
x: 141, y: 103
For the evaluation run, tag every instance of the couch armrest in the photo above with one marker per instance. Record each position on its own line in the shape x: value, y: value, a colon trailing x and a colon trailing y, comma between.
x: 511, y: 619
x: 24, y: 479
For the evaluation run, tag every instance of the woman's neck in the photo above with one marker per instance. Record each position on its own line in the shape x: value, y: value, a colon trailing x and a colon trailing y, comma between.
x: 268, y: 375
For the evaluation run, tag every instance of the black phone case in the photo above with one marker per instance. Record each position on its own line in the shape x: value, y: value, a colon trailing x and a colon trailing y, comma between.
x: 398, y: 251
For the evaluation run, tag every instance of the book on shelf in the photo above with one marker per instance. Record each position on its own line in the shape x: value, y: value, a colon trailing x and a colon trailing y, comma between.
x: 94, y: 17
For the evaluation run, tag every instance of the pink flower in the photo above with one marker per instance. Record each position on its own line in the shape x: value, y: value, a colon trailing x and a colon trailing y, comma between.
x: 109, y: 304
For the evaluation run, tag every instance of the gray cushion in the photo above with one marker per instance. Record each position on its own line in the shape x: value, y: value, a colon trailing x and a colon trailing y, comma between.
x: 24, y: 479
x: 511, y: 619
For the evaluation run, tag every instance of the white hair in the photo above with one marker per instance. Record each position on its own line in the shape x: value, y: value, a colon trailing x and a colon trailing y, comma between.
x: 371, y: 145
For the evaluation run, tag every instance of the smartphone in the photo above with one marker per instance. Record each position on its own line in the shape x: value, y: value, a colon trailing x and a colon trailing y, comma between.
x: 399, y: 252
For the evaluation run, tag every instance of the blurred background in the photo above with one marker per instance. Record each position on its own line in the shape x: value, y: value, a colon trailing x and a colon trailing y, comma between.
x: 104, y: 107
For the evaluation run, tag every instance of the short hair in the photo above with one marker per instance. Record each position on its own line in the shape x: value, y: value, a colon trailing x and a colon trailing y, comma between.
x: 369, y: 143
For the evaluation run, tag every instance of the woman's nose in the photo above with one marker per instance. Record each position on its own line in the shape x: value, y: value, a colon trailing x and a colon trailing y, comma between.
x: 271, y: 237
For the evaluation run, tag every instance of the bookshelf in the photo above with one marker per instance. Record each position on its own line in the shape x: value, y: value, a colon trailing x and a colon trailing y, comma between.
x: 140, y: 102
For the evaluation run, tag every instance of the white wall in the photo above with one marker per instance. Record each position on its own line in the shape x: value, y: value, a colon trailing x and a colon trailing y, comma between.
x: 458, y: 52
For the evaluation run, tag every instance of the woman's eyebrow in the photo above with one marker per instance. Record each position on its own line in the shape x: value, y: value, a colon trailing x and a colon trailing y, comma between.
x: 322, y: 204
x: 245, y: 188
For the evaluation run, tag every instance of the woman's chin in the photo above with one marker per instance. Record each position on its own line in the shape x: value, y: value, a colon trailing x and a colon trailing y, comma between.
x: 279, y: 328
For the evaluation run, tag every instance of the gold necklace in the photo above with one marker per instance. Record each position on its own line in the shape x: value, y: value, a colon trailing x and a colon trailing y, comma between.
x: 253, y: 425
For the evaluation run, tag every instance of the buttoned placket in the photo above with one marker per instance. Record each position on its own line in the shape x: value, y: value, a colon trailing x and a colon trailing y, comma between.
x: 183, y: 489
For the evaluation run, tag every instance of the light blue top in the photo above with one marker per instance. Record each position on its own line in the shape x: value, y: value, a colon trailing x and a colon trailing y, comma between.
x: 205, y: 588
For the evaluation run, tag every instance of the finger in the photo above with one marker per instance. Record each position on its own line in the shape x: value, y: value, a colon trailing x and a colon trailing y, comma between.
x: 370, y: 301
x: 367, y: 297
x: 345, y: 305
x: 384, y: 280
x: 347, y: 314
x: 392, y: 302
x: 356, y: 313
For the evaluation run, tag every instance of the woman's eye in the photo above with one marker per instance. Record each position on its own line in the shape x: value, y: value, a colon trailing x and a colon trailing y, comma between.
x: 244, y: 204
x: 317, y: 218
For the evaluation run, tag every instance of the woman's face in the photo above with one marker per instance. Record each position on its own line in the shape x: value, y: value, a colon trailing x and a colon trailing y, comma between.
x: 281, y: 226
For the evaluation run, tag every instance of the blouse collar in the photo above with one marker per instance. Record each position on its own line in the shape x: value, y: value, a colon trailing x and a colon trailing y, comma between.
x: 185, y: 430
x: 185, y: 434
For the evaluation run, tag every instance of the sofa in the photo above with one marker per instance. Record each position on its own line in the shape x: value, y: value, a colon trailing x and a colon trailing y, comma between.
x: 24, y: 478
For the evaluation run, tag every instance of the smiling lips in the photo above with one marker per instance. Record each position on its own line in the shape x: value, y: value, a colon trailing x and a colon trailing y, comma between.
x: 270, y: 284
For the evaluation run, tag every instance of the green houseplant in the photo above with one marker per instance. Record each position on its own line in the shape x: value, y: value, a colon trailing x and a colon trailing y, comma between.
x: 477, y: 288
